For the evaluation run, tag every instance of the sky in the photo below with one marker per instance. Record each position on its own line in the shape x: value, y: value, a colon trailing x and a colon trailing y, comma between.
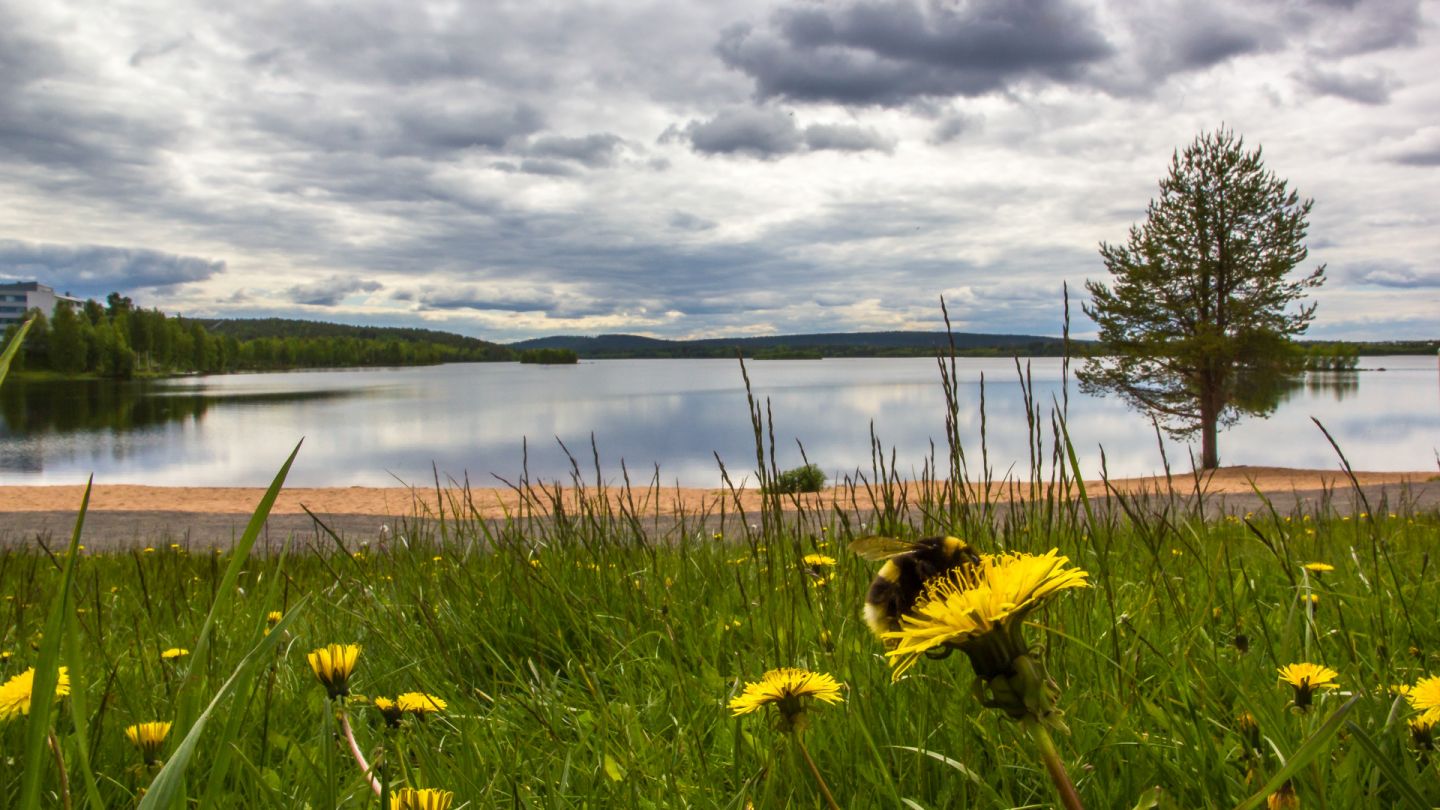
x: 684, y: 169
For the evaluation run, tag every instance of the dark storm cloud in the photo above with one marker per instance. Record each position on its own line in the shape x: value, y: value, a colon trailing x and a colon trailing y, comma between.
x: 544, y: 168
x: 1422, y: 149
x: 768, y: 133
x: 1368, y: 88
x: 952, y: 126
x: 846, y: 138
x: 95, y: 270
x: 409, y: 125
x: 763, y: 133
x: 330, y: 291
x: 893, y: 52
x: 1369, y: 26
x: 65, y: 142
x: 494, y: 298
x: 596, y: 151
x: 685, y: 221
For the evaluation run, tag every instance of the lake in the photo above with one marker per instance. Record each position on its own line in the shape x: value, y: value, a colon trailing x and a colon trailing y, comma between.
x: 383, y: 427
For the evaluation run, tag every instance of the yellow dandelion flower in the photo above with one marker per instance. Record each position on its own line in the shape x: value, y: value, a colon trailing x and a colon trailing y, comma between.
x: 273, y: 617
x: 333, y: 664
x: 1306, y: 678
x: 390, y: 710
x: 149, y: 549
x: 821, y: 560
x: 1283, y: 799
x: 1249, y: 730
x: 16, y: 693
x: 148, y: 737
x: 420, y: 703
x: 173, y: 653
x: 787, y: 689
x: 1424, y: 696
x: 974, y: 608
x: 422, y: 799
x: 1422, y: 733
x: 1319, y: 567
x: 1398, y: 689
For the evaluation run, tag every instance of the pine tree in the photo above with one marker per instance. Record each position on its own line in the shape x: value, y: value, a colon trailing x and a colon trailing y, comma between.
x: 1200, y: 319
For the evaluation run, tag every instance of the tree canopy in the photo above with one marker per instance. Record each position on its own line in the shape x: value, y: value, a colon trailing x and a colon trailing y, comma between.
x: 1198, y: 326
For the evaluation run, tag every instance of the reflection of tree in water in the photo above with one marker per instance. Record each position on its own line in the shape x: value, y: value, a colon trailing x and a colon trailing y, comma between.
x: 1264, y: 394
x: 1340, y: 384
x: 37, y: 408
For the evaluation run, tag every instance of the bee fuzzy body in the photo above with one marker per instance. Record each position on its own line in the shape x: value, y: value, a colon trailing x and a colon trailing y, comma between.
x: 900, y: 582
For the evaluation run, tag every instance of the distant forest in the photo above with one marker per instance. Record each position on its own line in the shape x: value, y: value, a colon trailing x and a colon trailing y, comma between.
x: 117, y: 339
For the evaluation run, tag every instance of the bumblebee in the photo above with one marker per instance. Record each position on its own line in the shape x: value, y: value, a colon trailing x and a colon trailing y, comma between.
x: 909, y: 564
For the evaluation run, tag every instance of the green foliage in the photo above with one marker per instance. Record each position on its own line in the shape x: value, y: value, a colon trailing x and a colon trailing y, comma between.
x: 1330, y: 356
x: 1201, y: 310
x: 809, y: 478
x: 550, y: 357
x: 119, y: 341
x: 14, y: 339
x: 601, y: 656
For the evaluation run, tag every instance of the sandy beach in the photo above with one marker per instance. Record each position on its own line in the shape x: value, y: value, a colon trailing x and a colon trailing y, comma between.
x: 499, y: 502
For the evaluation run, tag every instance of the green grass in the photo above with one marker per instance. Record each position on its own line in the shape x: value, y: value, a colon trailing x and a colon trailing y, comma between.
x: 584, y: 667
x: 586, y: 658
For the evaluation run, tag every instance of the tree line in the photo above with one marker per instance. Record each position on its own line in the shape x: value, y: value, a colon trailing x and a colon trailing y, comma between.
x: 119, y: 340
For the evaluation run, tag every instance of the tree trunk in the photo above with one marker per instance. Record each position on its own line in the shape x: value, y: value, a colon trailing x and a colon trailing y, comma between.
x: 1209, y: 416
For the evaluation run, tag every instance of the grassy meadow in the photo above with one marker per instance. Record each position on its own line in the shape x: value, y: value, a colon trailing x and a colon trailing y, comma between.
x: 584, y: 655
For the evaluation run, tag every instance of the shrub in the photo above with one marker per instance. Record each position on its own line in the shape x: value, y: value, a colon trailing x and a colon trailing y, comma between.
x: 809, y: 478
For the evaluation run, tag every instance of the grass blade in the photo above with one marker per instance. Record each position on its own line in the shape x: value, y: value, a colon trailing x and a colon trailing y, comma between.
x: 1318, y: 743
x: 12, y: 348
x: 1387, y: 766
x: 169, y: 784
x: 47, y: 672
x: 240, y: 553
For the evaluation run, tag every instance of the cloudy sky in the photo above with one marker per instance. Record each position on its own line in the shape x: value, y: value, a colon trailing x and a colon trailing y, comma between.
x: 685, y: 168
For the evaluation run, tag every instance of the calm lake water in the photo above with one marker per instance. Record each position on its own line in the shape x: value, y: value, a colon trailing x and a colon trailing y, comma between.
x: 388, y: 426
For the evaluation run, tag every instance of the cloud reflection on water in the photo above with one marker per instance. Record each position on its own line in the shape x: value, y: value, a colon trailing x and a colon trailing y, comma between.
x: 383, y: 427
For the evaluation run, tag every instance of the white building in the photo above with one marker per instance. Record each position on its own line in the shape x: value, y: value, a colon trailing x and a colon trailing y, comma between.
x: 20, y: 297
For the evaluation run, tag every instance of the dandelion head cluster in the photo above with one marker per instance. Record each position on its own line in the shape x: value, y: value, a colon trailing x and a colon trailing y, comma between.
x: 16, y: 694
x: 174, y: 653
x: 390, y: 710
x: 148, y: 738
x: 788, y: 689
x: 421, y: 799
x: 1424, y: 696
x: 420, y: 703
x: 1305, y: 678
x: 333, y: 665
x: 981, y: 610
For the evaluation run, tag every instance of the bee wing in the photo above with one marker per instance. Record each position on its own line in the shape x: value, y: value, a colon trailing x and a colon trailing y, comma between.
x: 875, y: 548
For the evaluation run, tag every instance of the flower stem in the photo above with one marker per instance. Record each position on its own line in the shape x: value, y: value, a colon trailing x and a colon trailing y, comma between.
x: 355, y: 752
x: 60, y: 767
x: 1068, y: 797
x: 814, y: 771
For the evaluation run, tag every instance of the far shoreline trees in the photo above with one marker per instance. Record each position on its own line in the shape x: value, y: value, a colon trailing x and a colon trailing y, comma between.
x: 1198, y: 329
x: 118, y: 340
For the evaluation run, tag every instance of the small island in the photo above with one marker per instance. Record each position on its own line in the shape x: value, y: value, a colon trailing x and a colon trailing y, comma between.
x: 550, y: 357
